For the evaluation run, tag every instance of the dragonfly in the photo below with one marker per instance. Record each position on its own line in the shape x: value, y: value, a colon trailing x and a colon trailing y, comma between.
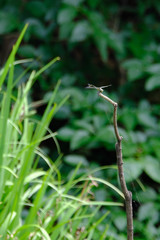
x: 100, y: 89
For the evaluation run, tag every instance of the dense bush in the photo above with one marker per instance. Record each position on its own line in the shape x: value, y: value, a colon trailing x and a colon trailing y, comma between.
x: 102, y: 43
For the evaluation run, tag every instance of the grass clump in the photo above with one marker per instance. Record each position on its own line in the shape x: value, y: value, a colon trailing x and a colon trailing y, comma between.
x: 35, y: 203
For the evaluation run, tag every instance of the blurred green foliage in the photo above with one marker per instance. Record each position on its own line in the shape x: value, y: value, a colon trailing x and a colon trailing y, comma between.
x: 100, y: 42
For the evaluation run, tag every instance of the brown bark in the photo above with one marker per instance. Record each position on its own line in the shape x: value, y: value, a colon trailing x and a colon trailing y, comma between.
x: 127, y: 194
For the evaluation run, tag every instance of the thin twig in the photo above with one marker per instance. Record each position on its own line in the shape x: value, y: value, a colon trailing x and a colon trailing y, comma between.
x: 127, y: 194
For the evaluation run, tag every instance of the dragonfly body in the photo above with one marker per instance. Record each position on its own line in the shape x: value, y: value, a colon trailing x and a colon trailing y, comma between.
x: 100, y: 89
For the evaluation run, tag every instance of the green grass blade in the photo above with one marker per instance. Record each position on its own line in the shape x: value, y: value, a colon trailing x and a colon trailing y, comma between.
x: 106, y: 183
x: 5, y: 111
x: 95, y: 224
x: 38, y: 201
x: 29, y: 227
x: 70, y: 182
x: 12, y: 55
x: 103, y: 236
x: 46, y: 67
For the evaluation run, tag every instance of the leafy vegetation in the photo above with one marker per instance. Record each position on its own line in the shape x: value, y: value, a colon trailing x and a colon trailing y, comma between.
x: 102, y: 43
x: 36, y: 202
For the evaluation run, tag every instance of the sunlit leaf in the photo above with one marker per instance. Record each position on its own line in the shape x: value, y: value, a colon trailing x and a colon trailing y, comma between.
x: 73, y: 2
x: 120, y: 221
x: 66, y: 15
x: 106, y: 134
x: 79, y: 139
x: 134, y: 69
x: 65, y: 133
x: 81, y: 31
x: 153, y: 68
x: 132, y: 169
x: 146, y: 211
x: 146, y: 119
x: 153, y: 82
x: 152, y: 167
x: 75, y: 160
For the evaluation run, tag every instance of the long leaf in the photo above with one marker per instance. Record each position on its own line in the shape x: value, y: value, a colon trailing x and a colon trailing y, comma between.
x: 12, y: 55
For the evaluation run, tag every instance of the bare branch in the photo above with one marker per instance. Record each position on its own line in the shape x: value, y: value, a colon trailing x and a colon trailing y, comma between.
x: 127, y: 194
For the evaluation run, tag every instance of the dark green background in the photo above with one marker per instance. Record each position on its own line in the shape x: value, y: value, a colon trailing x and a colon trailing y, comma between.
x: 99, y: 42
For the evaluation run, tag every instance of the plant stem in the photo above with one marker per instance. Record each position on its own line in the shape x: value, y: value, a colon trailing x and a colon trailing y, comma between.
x: 127, y: 194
